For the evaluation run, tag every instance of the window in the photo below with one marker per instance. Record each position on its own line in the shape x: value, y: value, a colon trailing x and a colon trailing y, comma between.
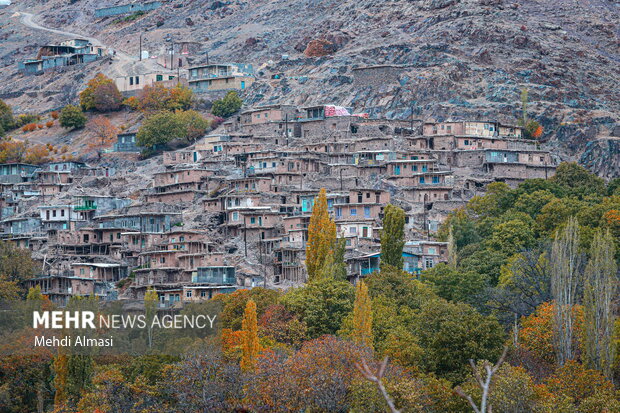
x: 435, y: 179
x: 162, y: 260
x: 353, y: 211
x: 429, y: 262
x: 432, y: 250
x: 137, y: 80
x: 54, y: 213
x: 188, y: 294
x: 81, y: 271
x: 252, y: 220
x: 203, y: 293
x: 422, y: 181
x: 62, y: 212
x: 130, y: 80
x: 415, y: 168
x: 235, y: 216
x: 466, y: 142
x: 159, y: 78
x: 353, y: 230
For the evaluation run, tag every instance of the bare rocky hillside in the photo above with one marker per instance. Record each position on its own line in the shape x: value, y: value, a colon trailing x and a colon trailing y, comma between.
x: 437, y: 58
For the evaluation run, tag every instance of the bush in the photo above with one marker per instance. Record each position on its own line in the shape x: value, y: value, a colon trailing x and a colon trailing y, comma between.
x: 228, y: 105
x: 29, y: 127
x: 40, y: 126
x: 49, y: 123
x: 55, y: 115
x: 27, y: 118
x: 71, y: 117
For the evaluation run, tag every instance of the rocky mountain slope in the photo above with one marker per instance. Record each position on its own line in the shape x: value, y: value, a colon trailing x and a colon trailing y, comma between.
x: 392, y: 58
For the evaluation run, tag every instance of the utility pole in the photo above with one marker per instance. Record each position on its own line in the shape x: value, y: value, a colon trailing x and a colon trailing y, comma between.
x: 141, y: 46
x: 245, y: 237
x: 286, y: 127
x: 341, y: 179
x: 412, y: 118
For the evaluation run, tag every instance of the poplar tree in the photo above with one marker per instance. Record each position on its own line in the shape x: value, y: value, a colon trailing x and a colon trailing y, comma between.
x: 321, y: 237
x: 566, y: 263
x: 452, y: 253
x: 250, y: 345
x: 60, y: 380
x: 599, y: 291
x: 393, y: 236
x: 362, y: 316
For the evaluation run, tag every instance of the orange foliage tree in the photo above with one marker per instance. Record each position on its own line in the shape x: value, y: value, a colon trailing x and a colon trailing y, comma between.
x: 250, y: 347
x: 536, y: 334
x: 103, y: 130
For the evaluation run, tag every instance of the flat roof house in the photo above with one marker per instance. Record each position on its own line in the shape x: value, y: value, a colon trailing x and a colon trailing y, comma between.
x: 226, y: 76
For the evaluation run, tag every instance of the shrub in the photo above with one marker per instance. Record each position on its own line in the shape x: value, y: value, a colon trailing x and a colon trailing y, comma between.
x: 71, y: 117
x: 40, y: 126
x: 27, y: 118
x: 49, y: 123
x: 55, y: 115
x: 29, y: 127
x: 228, y: 105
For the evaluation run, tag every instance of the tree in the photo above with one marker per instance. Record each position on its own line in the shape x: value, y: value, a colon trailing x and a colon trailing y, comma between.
x: 452, y: 334
x: 71, y: 117
x: 15, y: 263
x: 107, y: 98
x: 283, y: 326
x: 566, y: 269
x: 457, y: 286
x: 7, y: 121
x: 234, y: 304
x: 151, y: 298
x: 60, y: 380
x: 578, y: 181
x: 321, y: 305
x: 155, y: 98
x: 599, y: 293
x: 334, y: 266
x: 579, y: 383
x: 228, y: 105
x: 484, y: 383
x: 321, y: 237
x: 393, y: 236
x: 160, y: 129
x: 105, y: 132
x: 362, y: 316
x: 250, y: 338
x: 194, y: 124
x: 101, y: 94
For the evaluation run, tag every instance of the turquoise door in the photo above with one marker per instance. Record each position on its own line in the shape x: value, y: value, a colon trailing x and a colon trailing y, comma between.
x: 243, y: 84
x: 397, y: 170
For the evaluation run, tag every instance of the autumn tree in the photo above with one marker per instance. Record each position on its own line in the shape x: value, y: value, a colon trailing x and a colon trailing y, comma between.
x: 566, y: 263
x: 228, y: 105
x: 60, y: 380
x: 160, y: 129
x: 362, y: 316
x: 600, y: 290
x: 393, y: 236
x: 195, y: 125
x: 250, y: 338
x: 71, y: 117
x: 151, y: 298
x: 321, y: 236
x: 155, y: 98
x: 103, y: 130
x: 101, y: 94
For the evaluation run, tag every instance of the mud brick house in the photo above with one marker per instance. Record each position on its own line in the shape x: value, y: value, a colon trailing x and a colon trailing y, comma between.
x: 17, y: 172
x: 68, y: 53
x: 130, y: 85
x: 218, y: 77
x: 59, y: 288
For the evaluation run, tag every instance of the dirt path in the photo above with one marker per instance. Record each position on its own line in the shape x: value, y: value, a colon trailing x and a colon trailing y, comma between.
x: 123, y: 62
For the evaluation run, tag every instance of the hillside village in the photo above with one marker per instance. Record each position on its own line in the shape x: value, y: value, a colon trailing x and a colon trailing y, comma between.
x: 232, y: 210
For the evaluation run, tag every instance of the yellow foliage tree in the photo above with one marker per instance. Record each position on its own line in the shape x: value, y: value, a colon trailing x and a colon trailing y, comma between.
x: 362, y: 316
x: 250, y: 345
x: 60, y: 380
x: 321, y: 236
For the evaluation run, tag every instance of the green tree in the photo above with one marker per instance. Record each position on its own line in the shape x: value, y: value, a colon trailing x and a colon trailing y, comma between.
x: 250, y: 345
x: 393, y: 236
x: 452, y: 334
x: 599, y: 293
x: 160, y: 129
x: 194, y: 124
x: 7, y: 121
x: 151, y: 299
x: 578, y: 181
x: 228, y: 105
x: 321, y: 237
x: 362, y: 316
x: 334, y: 266
x: 79, y: 375
x: 322, y: 305
x: 566, y: 266
x: 456, y: 285
x: 71, y: 117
